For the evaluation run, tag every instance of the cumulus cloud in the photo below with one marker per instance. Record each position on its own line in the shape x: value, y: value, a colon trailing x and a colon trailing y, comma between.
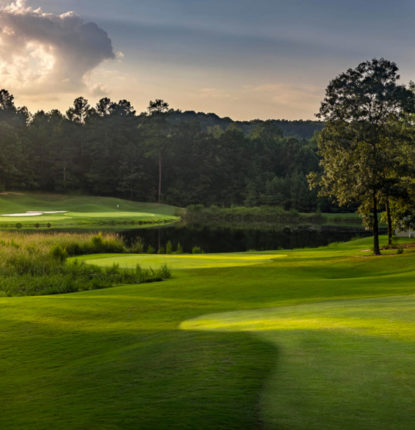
x: 40, y: 50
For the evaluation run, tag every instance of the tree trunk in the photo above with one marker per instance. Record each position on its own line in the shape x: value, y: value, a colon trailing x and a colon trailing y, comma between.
x: 376, y: 249
x: 64, y: 176
x: 389, y: 218
x: 160, y: 177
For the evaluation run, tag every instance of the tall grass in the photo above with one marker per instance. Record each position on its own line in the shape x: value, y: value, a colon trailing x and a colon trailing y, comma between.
x: 35, y: 264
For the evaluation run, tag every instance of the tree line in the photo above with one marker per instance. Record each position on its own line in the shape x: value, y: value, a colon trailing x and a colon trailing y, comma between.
x: 162, y: 154
x: 361, y: 156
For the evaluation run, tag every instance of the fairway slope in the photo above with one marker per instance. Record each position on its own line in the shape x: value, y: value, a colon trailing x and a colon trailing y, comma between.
x: 347, y: 364
x: 312, y: 339
x: 58, y: 211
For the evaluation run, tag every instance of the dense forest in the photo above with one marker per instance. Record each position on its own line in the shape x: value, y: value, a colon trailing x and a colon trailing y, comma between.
x: 180, y: 158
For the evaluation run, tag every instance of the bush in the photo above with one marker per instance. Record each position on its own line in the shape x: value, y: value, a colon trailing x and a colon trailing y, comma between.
x: 97, y: 241
x: 197, y: 250
x: 59, y: 253
x: 150, y: 250
x: 137, y: 247
x: 179, y: 248
x: 164, y: 272
x: 169, y: 247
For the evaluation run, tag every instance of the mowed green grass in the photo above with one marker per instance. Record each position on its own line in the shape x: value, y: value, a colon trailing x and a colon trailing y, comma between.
x: 81, y: 211
x: 185, y: 261
x: 314, y: 339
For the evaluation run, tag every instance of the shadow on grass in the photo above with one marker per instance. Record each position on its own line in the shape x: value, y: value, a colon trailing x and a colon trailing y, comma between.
x: 168, y: 379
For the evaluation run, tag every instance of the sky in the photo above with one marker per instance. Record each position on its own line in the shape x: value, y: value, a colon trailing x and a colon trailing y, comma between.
x: 239, y: 58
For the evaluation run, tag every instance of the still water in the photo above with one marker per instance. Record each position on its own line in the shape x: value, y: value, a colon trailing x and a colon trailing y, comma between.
x: 235, y: 240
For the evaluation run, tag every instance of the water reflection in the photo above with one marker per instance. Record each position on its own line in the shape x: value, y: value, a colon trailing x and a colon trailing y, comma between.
x: 234, y: 240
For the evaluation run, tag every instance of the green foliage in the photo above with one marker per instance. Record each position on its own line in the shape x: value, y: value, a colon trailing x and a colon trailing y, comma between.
x: 206, y: 159
x: 361, y: 144
x: 164, y: 272
x: 179, y: 249
x: 58, y: 253
x: 36, y: 264
x: 93, y: 244
x: 138, y: 246
x: 197, y: 250
x: 169, y: 247
x: 97, y: 241
x: 151, y: 250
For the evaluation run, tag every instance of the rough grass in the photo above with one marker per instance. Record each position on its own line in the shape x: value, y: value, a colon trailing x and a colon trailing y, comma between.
x: 82, y: 212
x: 321, y: 338
x: 35, y: 264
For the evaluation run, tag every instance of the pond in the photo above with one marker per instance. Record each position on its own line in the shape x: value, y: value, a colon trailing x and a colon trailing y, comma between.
x: 236, y: 240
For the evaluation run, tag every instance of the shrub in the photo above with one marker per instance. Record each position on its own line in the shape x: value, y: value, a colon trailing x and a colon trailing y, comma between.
x: 164, y: 272
x: 197, y: 250
x: 59, y: 253
x: 161, y: 250
x: 399, y: 251
x: 150, y: 250
x: 138, y: 246
x: 169, y: 247
x: 179, y: 248
x: 97, y: 241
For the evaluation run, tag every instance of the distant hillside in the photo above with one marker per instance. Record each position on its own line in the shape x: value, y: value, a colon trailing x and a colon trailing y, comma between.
x: 298, y: 128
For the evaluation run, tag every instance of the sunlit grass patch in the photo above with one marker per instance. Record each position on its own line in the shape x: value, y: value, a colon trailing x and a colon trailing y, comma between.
x: 392, y: 317
x: 184, y: 261
x: 343, y: 364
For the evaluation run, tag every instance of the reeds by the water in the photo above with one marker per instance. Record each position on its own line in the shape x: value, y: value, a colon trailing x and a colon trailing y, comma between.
x: 36, y: 264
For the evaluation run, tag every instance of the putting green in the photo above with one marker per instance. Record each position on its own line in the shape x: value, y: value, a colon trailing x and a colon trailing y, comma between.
x: 80, y: 211
x: 185, y: 261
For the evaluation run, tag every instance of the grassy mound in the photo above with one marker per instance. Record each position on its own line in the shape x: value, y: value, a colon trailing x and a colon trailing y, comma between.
x: 319, y: 338
x: 79, y: 212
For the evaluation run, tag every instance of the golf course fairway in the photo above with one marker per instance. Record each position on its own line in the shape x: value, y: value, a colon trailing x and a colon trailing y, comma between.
x: 302, y: 339
x: 59, y: 211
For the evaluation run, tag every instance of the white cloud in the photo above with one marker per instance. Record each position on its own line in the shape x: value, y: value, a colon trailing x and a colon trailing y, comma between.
x: 45, y: 52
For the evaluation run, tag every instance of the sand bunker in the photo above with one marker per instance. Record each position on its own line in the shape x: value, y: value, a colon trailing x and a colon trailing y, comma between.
x: 35, y: 213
